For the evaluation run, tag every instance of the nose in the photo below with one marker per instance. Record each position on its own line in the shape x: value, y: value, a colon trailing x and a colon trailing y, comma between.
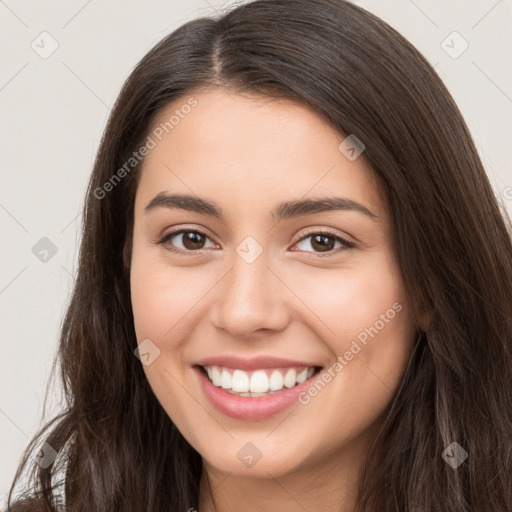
x: 251, y: 301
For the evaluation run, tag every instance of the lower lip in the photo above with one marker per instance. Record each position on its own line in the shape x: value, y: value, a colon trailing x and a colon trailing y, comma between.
x: 247, y: 408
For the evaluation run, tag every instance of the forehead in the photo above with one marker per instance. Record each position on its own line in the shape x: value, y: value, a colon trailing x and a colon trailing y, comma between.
x: 252, y: 151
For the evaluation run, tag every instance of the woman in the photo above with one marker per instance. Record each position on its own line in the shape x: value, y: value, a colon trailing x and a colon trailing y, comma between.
x: 294, y: 283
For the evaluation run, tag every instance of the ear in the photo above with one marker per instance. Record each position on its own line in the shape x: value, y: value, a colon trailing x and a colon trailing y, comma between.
x: 426, y: 320
x: 425, y: 316
x: 127, y: 254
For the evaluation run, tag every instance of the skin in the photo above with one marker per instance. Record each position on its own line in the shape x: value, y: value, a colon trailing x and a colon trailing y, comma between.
x: 247, y: 154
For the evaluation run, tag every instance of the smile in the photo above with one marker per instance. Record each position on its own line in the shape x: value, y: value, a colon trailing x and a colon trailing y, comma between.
x: 253, y: 389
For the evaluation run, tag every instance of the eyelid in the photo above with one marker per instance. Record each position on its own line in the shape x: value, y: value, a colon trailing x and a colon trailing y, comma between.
x: 326, y: 231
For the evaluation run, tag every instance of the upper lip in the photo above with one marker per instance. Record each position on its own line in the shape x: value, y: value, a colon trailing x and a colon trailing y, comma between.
x: 254, y: 363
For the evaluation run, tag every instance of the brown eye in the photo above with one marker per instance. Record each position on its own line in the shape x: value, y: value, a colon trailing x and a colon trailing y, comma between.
x: 185, y: 241
x: 324, y: 243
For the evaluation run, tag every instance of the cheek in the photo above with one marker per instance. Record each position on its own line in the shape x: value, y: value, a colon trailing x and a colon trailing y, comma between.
x: 370, y: 335
x: 163, y: 296
x: 345, y: 302
x: 366, y: 321
x: 163, y: 301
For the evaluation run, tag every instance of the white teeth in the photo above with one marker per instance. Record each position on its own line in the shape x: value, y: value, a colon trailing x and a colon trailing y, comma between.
x: 276, y: 380
x: 225, y: 380
x: 302, y: 376
x: 216, y: 376
x: 290, y: 378
x: 240, y: 381
x: 258, y: 382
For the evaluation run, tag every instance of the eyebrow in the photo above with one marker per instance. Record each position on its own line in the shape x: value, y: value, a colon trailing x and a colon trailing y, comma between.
x: 282, y: 211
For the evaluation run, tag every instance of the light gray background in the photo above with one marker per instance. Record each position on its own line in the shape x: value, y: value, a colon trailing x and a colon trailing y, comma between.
x: 53, y: 112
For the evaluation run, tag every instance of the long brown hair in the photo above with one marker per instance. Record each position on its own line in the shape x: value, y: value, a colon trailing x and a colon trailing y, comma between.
x: 117, y: 448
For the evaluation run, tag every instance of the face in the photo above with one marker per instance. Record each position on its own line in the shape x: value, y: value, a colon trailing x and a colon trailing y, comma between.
x: 268, y: 304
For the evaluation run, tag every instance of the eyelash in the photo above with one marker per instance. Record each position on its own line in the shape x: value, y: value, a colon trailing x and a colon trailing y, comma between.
x: 337, y: 238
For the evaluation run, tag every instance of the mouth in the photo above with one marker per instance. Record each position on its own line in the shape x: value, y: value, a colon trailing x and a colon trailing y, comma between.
x: 255, y: 389
x: 257, y: 383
